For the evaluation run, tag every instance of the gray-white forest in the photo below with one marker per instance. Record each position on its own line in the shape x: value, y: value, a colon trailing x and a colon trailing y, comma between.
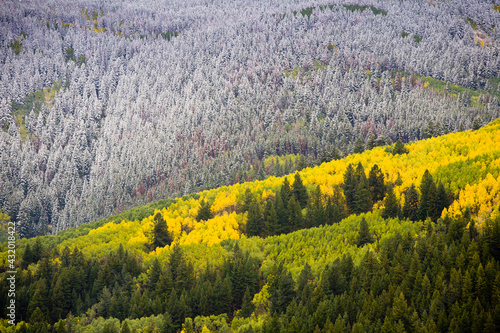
x: 140, y: 117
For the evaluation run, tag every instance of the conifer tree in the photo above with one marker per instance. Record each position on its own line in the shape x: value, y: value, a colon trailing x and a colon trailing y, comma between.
x: 315, y: 214
x: 364, y: 236
x: 428, y: 199
x: 255, y: 222
x: 205, y: 212
x: 349, y: 187
x: 271, y: 224
x: 295, y: 219
x: 282, y: 214
x: 362, y: 195
x: 285, y: 192
x: 299, y: 191
x: 399, y: 148
x: 359, y: 146
x: 391, y: 204
x: 376, y: 183
x: 410, y: 208
x: 247, y: 308
x: 161, y: 235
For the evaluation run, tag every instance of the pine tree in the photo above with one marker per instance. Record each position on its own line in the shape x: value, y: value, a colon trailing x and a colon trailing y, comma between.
x: 205, y: 212
x: 248, y: 200
x: 299, y: 191
x: 315, y: 214
x: 349, y: 187
x: 285, y: 192
x: 399, y: 148
x: 255, y: 221
x: 391, y: 204
x: 376, y: 183
x: 410, y: 208
x: 359, y: 146
x: 364, y: 236
x: 161, y: 235
x: 248, y: 307
x: 295, y: 219
x: 271, y: 225
x: 282, y: 214
x: 362, y: 196
x: 428, y: 199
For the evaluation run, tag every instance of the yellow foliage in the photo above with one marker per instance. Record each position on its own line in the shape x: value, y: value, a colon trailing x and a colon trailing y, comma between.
x: 426, y: 84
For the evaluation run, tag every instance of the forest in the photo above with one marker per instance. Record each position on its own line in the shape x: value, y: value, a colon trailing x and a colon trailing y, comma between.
x: 109, y: 105
x: 251, y: 166
x: 358, y: 246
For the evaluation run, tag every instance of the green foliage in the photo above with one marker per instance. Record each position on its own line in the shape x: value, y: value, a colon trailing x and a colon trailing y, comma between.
x: 299, y: 191
x: 404, y: 34
x: 364, y: 235
x: 391, y: 204
x: 399, y: 148
x: 161, y: 235
x: 255, y: 221
x: 359, y: 146
x: 205, y: 212
x: 376, y: 183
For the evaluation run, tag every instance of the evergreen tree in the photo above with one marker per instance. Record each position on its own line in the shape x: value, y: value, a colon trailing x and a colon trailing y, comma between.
x: 362, y: 195
x: 299, y: 191
x: 161, y: 235
x: 399, y: 148
x: 248, y: 200
x: 376, y: 183
x: 295, y: 219
x: 247, y: 308
x: 315, y: 210
x: 255, y: 221
x: 285, y: 192
x: 349, y: 187
x: 391, y: 204
x: 335, y: 208
x: 271, y: 224
x: 205, y: 212
x: 442, y: 200
x: 364, y: 236
x: 428, y: 199
x: 282, y: 214
x: 410, y: 208
x: 359, y: 146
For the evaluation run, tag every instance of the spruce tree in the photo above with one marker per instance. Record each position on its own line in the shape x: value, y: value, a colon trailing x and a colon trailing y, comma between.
x: 359, y: 146
x: 247, y: 308
x: 428, y: 199
x: 295, y: 219
x: 285, y: 192
x: 315, y: 214
x: 255, y: 221
x: 205, y: 212
x: 349, y: 187
x: 299, y: 191
x: 161, y: 235
x: 282, y: 214
x: 399, y: 148
x: 410, y: 208
x: 376, y: 183
x: 271, y: 225
x: 362, y: 195
x: 391, y: 204
x: 364, y: 236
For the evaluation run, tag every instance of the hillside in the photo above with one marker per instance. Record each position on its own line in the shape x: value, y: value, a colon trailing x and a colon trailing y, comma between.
x: 110, y: 105
x: 334, y: 264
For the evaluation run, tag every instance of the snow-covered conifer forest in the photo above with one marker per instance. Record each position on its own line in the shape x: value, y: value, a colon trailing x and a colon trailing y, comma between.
x: 105, y: 105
